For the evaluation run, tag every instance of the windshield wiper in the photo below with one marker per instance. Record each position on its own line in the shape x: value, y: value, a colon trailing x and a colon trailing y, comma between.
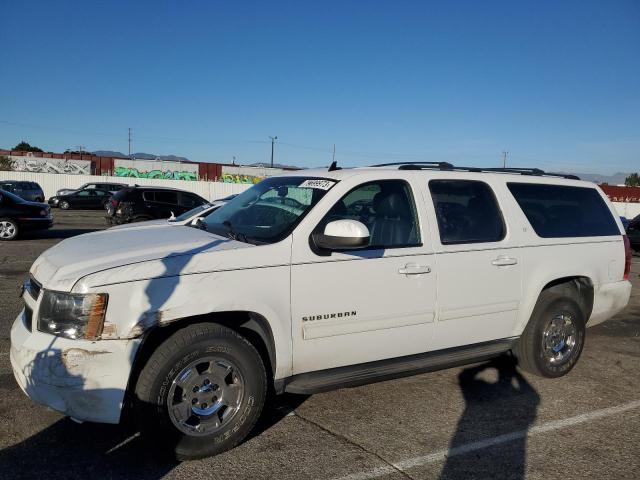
x: 233, y: 235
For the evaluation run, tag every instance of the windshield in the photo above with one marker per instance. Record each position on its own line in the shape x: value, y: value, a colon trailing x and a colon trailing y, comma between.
x: 268, y: 211
x: 188, y: 214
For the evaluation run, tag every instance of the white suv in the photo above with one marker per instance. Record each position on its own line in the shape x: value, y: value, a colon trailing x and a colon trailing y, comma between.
x: 317, y: 280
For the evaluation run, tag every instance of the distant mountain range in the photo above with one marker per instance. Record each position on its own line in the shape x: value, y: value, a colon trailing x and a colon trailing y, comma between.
x: 141, y: 156
x: 615, y: 179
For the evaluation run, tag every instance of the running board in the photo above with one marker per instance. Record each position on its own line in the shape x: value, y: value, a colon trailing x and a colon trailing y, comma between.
x: 371, y: 372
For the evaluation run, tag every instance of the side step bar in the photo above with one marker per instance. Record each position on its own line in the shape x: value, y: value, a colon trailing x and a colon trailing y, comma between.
x: 364, y: 373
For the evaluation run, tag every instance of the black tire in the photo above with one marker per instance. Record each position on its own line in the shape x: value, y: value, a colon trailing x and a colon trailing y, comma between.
x: 9, y: 229
x: 64, y: 205
x: 156, y: 391
x: 533, y: 349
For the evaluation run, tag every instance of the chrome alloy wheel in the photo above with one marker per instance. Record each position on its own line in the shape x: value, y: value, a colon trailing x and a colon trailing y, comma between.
x: 205, y: 396
x: 559, y: 339
x: 7, y: 230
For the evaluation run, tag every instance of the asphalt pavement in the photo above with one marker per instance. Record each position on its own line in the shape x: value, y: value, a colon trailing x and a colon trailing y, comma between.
x: 483, y: 421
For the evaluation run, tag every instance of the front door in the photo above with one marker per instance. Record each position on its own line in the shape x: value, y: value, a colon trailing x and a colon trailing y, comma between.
x: 479, y: 265
x: 364, y: 305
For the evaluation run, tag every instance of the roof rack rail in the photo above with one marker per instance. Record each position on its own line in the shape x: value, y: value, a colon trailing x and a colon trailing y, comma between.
x: 450, y: 167
x: 530, y: 171
x: 416, y: 165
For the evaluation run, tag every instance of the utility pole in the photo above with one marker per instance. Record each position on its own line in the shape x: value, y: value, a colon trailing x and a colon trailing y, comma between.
x: 273, y: 141
x: 80, y: 148
x: 129, y: 142
x: 333, y: 159
x: 504, y: 159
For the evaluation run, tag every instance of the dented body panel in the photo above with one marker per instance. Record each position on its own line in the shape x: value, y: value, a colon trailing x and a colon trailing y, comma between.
x: 85, y: 380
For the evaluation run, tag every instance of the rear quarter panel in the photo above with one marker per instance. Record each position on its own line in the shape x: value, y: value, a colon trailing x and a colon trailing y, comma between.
x: 600, y: 259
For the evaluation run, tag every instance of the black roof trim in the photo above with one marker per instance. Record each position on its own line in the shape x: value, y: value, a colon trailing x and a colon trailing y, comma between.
x: 449, y: 167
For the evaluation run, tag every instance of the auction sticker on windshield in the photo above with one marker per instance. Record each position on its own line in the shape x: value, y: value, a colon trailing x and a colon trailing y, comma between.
x: 320, y: 184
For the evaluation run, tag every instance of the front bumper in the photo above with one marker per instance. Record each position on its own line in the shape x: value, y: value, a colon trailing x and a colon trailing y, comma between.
x: 83, y: 379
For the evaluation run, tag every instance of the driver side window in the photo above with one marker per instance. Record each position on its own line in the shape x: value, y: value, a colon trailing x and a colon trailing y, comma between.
x: 386, y: 207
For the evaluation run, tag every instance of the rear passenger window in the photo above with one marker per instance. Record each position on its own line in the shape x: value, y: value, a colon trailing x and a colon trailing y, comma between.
x: 467, y: 212
x: 563, y: 211
x: 166, y: 197
x: 189, y: 201
x: 148, y: 196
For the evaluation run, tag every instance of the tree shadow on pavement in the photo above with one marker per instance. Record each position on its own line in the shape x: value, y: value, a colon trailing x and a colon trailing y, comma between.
x: 506, y: 408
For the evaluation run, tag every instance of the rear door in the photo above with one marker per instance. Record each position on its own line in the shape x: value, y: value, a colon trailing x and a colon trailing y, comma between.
x: 479, y: 263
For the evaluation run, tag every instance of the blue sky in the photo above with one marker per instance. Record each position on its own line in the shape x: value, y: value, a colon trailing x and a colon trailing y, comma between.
x: 556, y: 84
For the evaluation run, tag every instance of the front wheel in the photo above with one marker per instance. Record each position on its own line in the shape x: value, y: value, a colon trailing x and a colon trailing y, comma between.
x: 8, y: 229
x: 201, y: 392
x: 64, y: 205
x: 553, y: 340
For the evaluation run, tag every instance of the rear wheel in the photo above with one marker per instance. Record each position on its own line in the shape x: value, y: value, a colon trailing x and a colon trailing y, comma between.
x: 8, y: 229
x: 553, y: 340
x: 201, y: 392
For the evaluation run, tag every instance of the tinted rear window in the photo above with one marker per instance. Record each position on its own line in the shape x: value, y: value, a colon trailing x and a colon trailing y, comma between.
x: 557, y: 211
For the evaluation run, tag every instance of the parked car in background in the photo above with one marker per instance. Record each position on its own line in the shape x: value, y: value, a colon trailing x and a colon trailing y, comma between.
x: 625, y: 222
x: 18, y: 215
x: 82, y: 199
x: 189, y: 217
x: 109, y: 187
x: 139, y: 204
x: 633, y: 232
x: 29, y: 191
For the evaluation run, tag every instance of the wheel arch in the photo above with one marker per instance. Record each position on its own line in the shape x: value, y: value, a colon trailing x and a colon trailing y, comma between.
x: 580, y: 287
x: 253, y: 326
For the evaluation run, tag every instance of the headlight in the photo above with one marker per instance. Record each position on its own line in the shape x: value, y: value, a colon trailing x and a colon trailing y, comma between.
x: 72, y: 315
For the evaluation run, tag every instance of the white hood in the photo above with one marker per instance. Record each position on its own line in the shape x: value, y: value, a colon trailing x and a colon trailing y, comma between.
x: 60, y: 267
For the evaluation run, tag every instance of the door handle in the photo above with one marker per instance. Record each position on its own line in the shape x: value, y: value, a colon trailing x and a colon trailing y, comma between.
x: 504, y: 261
x: 414, y: 269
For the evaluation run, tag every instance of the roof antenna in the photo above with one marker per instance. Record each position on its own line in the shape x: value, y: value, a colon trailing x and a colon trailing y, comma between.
x: 334, y: 164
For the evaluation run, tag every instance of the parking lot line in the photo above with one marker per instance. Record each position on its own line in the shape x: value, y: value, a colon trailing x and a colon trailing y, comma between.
x: 490, y: 442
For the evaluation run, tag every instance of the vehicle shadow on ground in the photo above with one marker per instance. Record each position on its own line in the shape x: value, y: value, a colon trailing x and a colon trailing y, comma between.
x: 504, y: 407
x: 70, y: 450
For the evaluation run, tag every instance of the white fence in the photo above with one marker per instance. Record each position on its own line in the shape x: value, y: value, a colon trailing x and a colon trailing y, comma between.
x: 628, y: 210
x: 51, y: 183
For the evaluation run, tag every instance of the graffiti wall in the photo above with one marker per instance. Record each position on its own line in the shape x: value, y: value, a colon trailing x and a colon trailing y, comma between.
x: 247, y: 175
x: 155, y: 169
x: 51, y: 165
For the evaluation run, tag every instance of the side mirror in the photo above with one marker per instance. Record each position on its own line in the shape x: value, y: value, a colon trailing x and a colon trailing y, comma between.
x: 342, y: 235
x: 198, y: 222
